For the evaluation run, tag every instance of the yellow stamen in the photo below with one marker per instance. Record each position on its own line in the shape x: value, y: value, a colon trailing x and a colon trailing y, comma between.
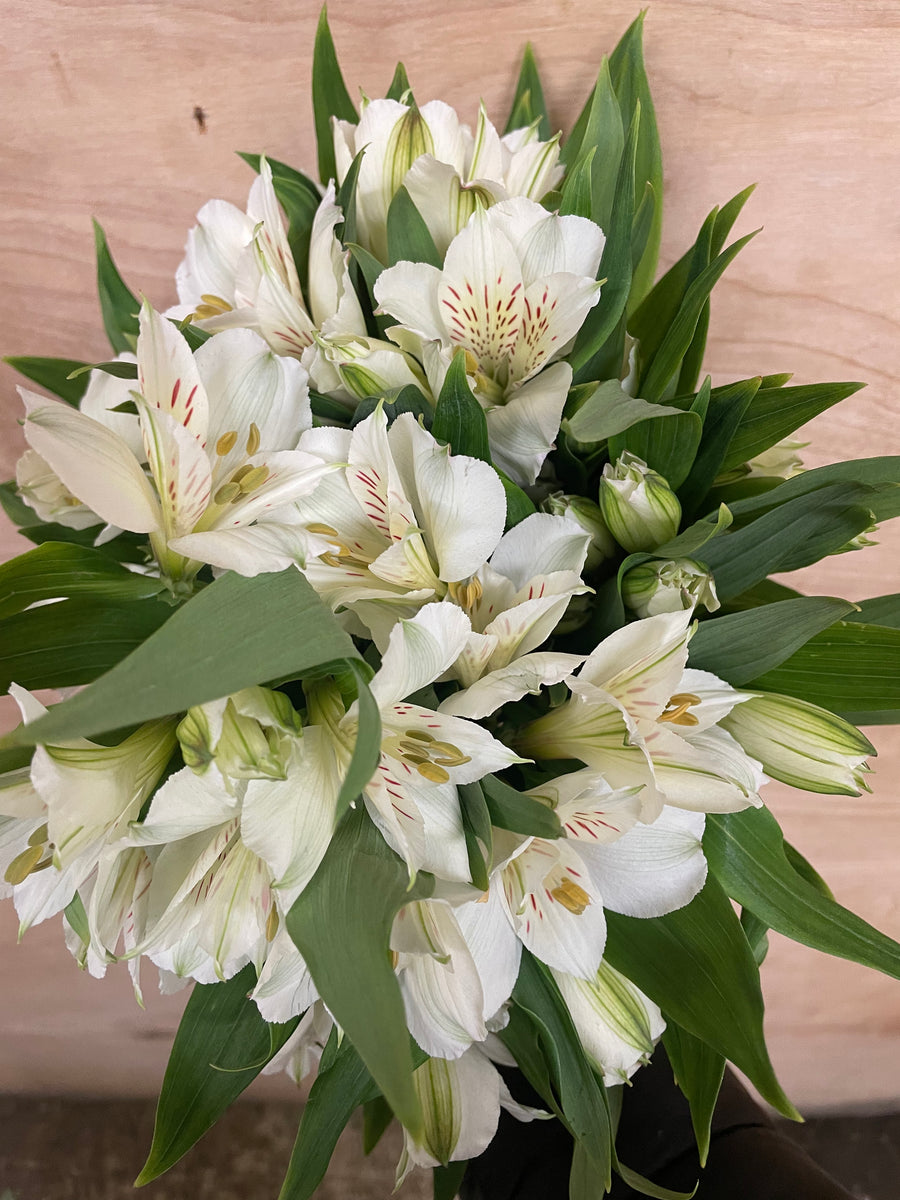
x: 571, y: 896
x: 254, y: 439
x: 254, y: 479
x: 676, y: 711
x: 432, y: 772
x: 466, y: 595
x: 226, y: 493
x: 23, y: 864
x: 271, y: 923
x: 418, y: 735
x: 39, y: 837
x: 226, y: 443
x: 241, y: 473
x: 324, y: 530
x: 211, y: 306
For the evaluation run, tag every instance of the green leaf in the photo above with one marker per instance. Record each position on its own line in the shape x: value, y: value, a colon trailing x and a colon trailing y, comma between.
x: 798, y: 533
x: 299, y: 197
x: 117, y: 303
x: 598, y: 137
x: 399, y: 85
x: 806, y: 870
x: 746, y: 853
x: 71, y: 643
x: 408, y: 237
x: 220, y: 632
x: 127, y: 547
x: 447, y: 1180
x: 367, y: 749
x: 476, y: 819
x: 742, y: 646
x: 221, y: 1031
x: 75, y: 914
x: 14, y: 506
x: 346, y: 199
x: 674, y: 346
x: 341, y: 924
x: 880, y: 474
x: 646, y: 1187
x: 528, y: 103
x: 517, y: 812
x: 459, y: 419
x: 851, y: 669
x: 338, y: 1090
x: 696, y: 964
x: 687, y: 543
x: 580, y: 1096
x: 879, y: 610
x: 377, y: 1116
x: 59, y: 569
x: 330, y: 96
x: 629, y: 78
x: 52, y: 374
x: 608, y: 411
x: 667, y: 442
x: 775, y: 412
x: 698, y: 1071
x: 727, y: 407
x: 327, y: 409
x: 600, y: 343
x: 121, y: 370
x: 576, y: 197
x: 518, y: 504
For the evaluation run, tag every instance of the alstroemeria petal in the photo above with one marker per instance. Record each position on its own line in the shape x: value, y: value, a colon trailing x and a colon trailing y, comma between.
x: 168, y: 375
x: 251, y: 550
x: 409, y: 293
x: 480, y: 751
x: 652, y: 869
x: 708, y: 772
x: 523, y: 430
x: 185, y: 804
x: 214, y: 246
x: 420, y: 650
x: 179, y: 467
x: 540, y: 545
x: 527, y: 675
x: 493, y: 945
x: 93, y: 463
x: 285, y: 988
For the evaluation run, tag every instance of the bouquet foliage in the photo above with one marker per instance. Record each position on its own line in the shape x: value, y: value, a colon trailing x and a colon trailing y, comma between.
x: 408, y: 586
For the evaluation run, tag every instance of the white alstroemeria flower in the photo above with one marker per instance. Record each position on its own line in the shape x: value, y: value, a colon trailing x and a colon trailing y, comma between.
x: 424, y: 754
x: 285, y: 988
x: 239, y: 272
x: 515, y: 288
x: 446, y: 170
x: 219, y: 431
x: 407, y: 521
x: 438, y: 979
x: 638, y: 716
x: 617, y: 1024
x: 78, y: 800
x: 302, y: 1052
x: 352, y: 367
x: 518, y: 597
x: 550, y: 895
x: 668, y: 585
x: 461, y: 1101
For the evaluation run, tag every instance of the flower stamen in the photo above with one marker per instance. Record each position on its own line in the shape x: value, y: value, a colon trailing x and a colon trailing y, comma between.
x: 676, y: 711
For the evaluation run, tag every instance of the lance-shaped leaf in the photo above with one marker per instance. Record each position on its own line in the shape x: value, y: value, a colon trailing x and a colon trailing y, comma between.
x: 746, y: 853
x: 775, y: 412
x: 598, y: 136
x: 519, y: 813
x: 579, y: 1095
x: 882, y: 475
x: 629, y: 78
x: 341, y: 924
x: 695, y: 963
x: 339, y: 1089
x: 476, y: 819
x: 459, y: 419
x: 528, y: 103
x: 235, y: 633
x: 408, y: 237
x: 698, y: 1071
x: 741, y: 646
x: 221, y: 1046
x: 118, y: 304
x: 794, y: 535
x: 330, y: 96
x: 666, y: 446
x: 447, y: 1180
x: 726, y: 409
x: 299, y: 197
x: 58, y: 570
x: 879, y: 610
x: 54, y: 374
x: 399, y: 85
x: 850, y: 668
x: 72, y: 643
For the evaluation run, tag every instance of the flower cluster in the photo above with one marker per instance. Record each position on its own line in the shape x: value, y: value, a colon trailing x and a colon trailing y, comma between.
x: 407, y: 412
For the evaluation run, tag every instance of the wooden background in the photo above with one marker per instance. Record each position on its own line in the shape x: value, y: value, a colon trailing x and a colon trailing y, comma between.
x: 97, y: 102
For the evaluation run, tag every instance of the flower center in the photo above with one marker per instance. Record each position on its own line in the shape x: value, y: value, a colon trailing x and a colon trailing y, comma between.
x: 466, y: 595
x: 342, y: 555
x: 571, y: 896
x: 210, y: 306
x: 676, y: 711
x: 422, y: 752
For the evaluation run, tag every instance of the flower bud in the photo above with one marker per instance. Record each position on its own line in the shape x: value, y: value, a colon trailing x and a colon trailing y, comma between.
x: 617, y: 1024
x: 244, y: 735
x: 669, y: 585
x: 42, y: 489
x: 640, y: 509
x: 590, y: 518
x: 801, y: 744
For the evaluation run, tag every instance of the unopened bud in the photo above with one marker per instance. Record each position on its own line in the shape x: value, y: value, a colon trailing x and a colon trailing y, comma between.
x: 801, y: 744
x: 670, y: 585
x: 640, y: 509
x: 590, y: 518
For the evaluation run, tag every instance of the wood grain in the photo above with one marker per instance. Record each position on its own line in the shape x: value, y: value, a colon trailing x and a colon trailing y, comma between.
x: 97, y: 104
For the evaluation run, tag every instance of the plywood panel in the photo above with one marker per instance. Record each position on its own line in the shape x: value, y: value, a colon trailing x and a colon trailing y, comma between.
x: 97, y: 104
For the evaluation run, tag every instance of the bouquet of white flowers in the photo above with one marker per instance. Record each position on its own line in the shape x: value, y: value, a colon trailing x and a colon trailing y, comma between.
x: 408, y: 587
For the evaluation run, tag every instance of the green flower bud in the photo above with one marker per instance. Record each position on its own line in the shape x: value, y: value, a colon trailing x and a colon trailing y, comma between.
x: 669, y: 585
x: 801, y: 744
x: 245, y: 736
x: 640, y: 509
x: 590, y: 518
